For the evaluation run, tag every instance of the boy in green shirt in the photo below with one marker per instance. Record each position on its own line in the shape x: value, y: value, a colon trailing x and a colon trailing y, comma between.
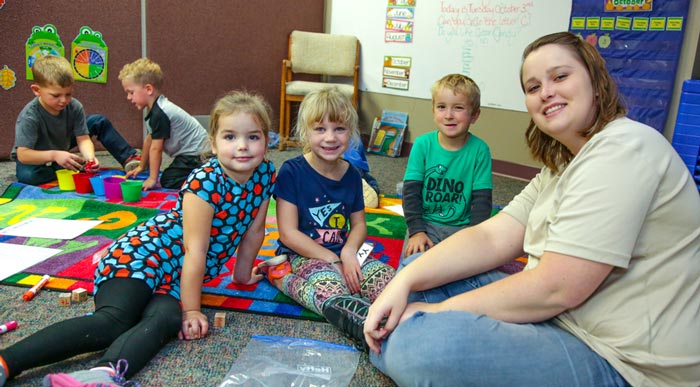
x: 448, y: 183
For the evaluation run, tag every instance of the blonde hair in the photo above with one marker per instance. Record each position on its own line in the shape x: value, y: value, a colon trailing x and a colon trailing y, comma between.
x: 143, y: 71
x: 52, y: 70
x: 240, y: 101
x: 459, y: 84
x: 608, y: 102
x: 328, y: 103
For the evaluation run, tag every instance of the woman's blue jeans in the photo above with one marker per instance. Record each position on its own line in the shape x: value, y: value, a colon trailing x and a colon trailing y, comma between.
x: 467, y: 349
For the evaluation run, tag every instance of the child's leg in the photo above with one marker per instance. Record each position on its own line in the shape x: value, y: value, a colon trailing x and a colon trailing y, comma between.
x: 376, y: 275
x: 99, y: 126
x: 162, y: 320
x: 312, y: 282
x: 35, y: 174
x: 175, y: 174
x: 118, y: 306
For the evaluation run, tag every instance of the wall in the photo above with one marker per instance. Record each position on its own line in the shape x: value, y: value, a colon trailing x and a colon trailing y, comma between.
x: 481, y: 39
x: 205, y: 48
x: 209, y: 47
x: 120, y: 25
x: 504, y: 130
x: 689, y: 60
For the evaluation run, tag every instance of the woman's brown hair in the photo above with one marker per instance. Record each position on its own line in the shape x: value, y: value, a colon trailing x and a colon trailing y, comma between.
x: 608, y: 102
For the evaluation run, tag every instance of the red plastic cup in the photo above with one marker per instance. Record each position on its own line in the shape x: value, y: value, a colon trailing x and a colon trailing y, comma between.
x: 82, y: 182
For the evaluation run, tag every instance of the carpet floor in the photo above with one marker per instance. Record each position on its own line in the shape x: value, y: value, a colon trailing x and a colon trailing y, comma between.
x: 203, y: 362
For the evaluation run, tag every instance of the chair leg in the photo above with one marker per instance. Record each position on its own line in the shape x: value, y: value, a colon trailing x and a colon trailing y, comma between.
x: 284, y: 111
x: 287, y: 129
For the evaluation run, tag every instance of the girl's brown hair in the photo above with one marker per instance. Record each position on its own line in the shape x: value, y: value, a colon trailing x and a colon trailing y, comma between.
x: 239, y: 101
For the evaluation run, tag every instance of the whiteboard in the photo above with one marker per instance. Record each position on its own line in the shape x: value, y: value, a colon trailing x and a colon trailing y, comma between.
x: 483, y: 39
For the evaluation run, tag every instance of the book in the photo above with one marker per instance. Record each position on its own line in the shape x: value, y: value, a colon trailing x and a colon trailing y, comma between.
x: 388, y: 133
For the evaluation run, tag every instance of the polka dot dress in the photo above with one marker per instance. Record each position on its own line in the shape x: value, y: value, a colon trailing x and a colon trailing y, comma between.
x: 154, y: 250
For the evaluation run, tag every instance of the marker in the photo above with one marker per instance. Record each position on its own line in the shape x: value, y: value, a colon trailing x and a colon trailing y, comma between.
x: 35, y: 289
x: 8, y: 326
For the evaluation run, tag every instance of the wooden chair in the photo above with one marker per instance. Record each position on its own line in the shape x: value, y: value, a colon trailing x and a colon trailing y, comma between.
x: 330, y: 58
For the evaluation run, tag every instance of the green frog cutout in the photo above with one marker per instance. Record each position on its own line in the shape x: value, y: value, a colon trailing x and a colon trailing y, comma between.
x: 89, y: 56
x: 43, y: 41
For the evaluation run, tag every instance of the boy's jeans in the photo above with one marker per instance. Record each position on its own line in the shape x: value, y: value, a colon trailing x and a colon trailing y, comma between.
x: 99, y: 126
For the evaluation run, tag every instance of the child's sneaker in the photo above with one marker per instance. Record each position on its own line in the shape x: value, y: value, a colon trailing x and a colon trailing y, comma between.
x: 96, y: 377
x: 348, y: 314
x: 132, y: 162
x: 276, y: 267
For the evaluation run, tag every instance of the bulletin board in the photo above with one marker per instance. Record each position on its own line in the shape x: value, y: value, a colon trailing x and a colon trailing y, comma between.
x: 481, y: 39
x: 641, y: 45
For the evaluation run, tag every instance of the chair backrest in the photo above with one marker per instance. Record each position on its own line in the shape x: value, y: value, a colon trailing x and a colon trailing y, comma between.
x: 327, y: 54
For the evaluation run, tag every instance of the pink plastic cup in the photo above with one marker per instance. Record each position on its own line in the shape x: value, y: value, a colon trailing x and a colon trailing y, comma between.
x: 113, y: 189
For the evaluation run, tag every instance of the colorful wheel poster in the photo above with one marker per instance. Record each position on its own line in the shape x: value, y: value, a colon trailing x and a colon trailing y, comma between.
x: 89, y: 56
x: 43, y: 41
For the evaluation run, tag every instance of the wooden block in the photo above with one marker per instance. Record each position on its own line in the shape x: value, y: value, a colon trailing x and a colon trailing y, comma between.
x: 219, y: 320
x: 64, y: 299
x: 79, y: 295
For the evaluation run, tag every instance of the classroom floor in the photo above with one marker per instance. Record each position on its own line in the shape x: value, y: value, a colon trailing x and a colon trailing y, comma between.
x: 203, y: 362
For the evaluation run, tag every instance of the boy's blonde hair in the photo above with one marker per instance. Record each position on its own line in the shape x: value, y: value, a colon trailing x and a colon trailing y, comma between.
x: 143, y: 71
x: 329, y: 102
x: 240, y: 101
x: 459, y: 84
x: 52, y: 70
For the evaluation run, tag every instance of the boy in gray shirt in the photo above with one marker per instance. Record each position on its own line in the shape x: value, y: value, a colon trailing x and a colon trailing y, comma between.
x: 170, y: 129
x: 54, y: 122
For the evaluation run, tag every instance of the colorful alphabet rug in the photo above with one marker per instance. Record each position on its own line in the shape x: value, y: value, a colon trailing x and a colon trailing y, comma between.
x: 74, y: 266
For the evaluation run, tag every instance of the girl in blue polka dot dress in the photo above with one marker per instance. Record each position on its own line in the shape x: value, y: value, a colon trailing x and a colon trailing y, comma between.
x: 148, y: 287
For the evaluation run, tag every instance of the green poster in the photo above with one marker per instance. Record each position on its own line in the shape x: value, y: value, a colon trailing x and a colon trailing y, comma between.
x: 43, y: 41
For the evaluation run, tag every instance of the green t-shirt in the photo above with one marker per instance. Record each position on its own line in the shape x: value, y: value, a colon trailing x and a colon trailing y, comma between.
x: 449, y: 177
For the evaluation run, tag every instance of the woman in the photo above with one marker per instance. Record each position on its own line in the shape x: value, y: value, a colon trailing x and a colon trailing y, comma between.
x: 611, y: 292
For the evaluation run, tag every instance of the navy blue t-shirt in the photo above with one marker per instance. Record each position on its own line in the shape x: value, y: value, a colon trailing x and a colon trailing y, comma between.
x: 323, y: 205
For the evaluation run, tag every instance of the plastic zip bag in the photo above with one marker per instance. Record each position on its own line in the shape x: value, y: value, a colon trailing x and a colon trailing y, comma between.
x: 277, y: 361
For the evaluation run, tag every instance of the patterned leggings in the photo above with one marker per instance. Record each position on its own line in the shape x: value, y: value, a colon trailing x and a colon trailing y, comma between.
x: 314, y: 281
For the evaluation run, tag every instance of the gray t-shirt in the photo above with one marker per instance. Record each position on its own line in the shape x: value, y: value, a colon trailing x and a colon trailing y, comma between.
x: 38, y: 129
x: 181, y: 133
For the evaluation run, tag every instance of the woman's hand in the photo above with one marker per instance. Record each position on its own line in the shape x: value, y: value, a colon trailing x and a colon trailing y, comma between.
x: 385, y: 314
x: 194, y: 325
